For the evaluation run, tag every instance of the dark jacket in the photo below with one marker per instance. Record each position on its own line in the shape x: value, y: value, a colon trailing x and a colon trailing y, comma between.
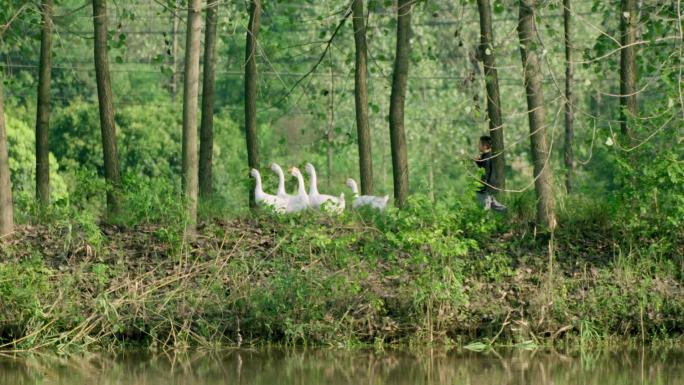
x: 485, y: 162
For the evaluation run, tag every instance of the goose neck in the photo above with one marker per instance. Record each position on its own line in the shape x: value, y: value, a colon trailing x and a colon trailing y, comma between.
x: 313, y: 188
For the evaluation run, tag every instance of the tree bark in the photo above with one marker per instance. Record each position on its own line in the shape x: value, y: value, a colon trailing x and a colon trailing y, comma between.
x: 106, y: 106
x: 43, y: 110
x: 6, y: 209
x: 397, y: 100
x: 361, y: 99
x: 174, y: 53
x: 208, y: 98
x: 493, y: 99
x: 250, y: 89
x: 569, y: 113
x: 543, y: 173
x: 331, y: 121
x: 628, y: 100
x: 190, y: 99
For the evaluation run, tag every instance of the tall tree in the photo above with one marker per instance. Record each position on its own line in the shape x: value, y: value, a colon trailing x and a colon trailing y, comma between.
x: 493, y: 101
x: 190, y: 101
x: 6, y: 209
x: 250, y: 88
x: 208, y: 98
x: 106, y: 105
x: 569, y: 113
x: 43, y: 110
x: 397, y: 100
x: 361, y: 98
x: 543, y: 173
x: 628, y: 72
x: 174, y: 52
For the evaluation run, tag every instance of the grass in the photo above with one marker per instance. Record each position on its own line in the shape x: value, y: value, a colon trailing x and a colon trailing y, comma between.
x: 427, y: 275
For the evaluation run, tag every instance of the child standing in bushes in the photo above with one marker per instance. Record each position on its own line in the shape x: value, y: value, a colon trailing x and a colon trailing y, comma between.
x: 485, y: 192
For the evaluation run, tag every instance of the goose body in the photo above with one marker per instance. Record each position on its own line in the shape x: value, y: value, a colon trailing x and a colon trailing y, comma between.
x: 318, y: 200
x: 377, y: 202
x: 264, y: 199
x: 300, y: 201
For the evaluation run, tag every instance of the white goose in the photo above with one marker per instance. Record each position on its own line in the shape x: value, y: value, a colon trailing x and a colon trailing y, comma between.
x: 281, y: 193
x: 317, y: 200
x: 300, y: 201
x: 264, y: 199
x: 377, y: 202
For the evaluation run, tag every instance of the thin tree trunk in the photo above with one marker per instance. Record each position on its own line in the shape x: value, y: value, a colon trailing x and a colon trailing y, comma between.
x: 174, y: 53
x: 106, y: 105
x: 493, y: 99
x: 331, y: 122
x: 397, y: 100
x: 208, y: 98
x: 190, y: 99
x: 361, y: 99
x: 628, y: 73
x: 250, y: 89
x: 431, y: 161
x: 43, y: 110
x: 535, y: 104
x: 6, y: 209
x: 569, y: 113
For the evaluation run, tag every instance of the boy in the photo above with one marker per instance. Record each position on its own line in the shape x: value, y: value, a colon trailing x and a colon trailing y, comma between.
x: 485, y: 193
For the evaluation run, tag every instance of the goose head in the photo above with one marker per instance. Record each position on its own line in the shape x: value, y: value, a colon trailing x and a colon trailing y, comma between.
x: 254, y: 173
x: 274, y: 167
x: 351, y: 183
x: 309, y: 168
x: 294, y: 171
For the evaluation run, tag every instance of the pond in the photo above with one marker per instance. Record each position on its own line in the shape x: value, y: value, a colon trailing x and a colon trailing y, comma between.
x: 314, y: 367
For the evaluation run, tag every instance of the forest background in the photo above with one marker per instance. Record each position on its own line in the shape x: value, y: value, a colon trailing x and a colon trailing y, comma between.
x: 617, y: 180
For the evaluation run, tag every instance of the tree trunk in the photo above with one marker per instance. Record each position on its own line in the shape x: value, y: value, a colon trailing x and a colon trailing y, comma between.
x: 106, y: 105
x: 361, y: 99
x: 190, y: 96
x: 493, y: 100
x: 208, y: 97
x: 43, y: 110
x: 6, y: 210
x: 543, y: 173
x: 397, y: 100
x: 331, y: 121
x: 250, y: 89
x: 569, y: 113
x: 174, y: 53
x: 628, y: 101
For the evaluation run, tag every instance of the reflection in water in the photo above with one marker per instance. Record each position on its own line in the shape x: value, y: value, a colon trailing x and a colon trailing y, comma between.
x: 313, y: 367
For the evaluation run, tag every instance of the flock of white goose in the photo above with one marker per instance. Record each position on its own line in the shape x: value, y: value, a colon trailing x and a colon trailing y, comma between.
x: 282, y: 202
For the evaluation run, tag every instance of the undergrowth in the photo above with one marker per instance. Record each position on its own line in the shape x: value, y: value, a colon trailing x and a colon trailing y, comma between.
x: 442, y: 273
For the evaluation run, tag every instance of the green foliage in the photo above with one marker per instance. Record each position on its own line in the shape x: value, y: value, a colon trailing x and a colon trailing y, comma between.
x: 21, y: 142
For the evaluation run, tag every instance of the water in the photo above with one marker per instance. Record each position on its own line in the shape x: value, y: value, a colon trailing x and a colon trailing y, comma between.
x: 274, y: 367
